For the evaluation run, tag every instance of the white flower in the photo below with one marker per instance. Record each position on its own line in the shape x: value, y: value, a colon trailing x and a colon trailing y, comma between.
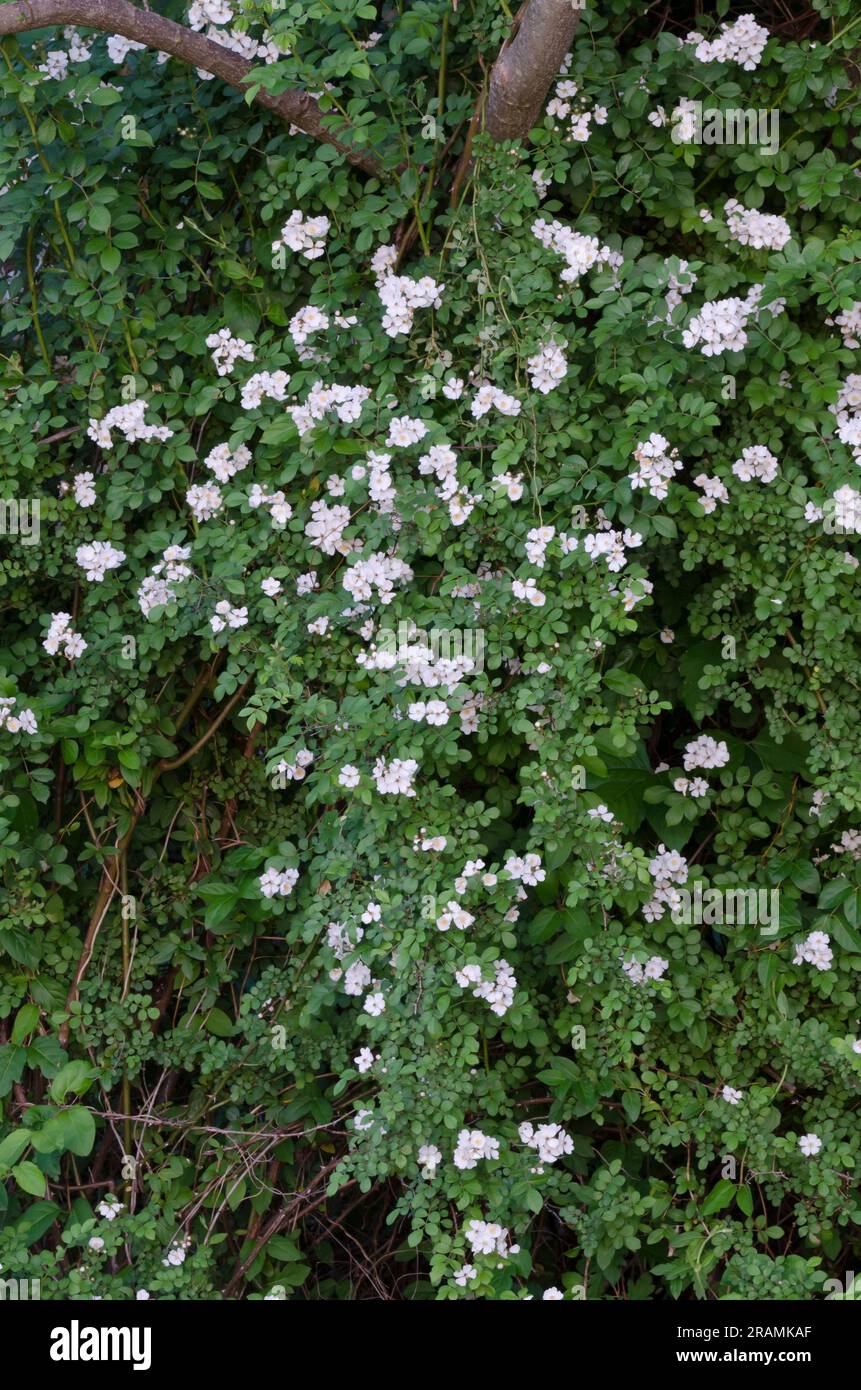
x: 272, y: 883
x: 61, y: 633
x: 374, y: 1005
x: 156, y: 588
x: 305, y: 322
x: 750, y: 227
x: 756, y: 462
x: 580, y: 252
x: 307, y: 237
x: 97, y: 558
x: 731, y: 1095
x: 849, y: 323
x: 472, y: 1146
x: 654, y: 968
x: 720, y: 325
x: 401, y: 296
x: 22, y: 722
x: 204, y: 12
x: 395, y: 778
x: 109, y: 1209
x: 810, y: 1144
x: 357, y: 978
x: 84, y: 490
x: 205, y: 500
x: 705, y: 752
x: 224, y: 462
x: 487, y: 397
x: 714, y: 491
x: 547, y: 368
x: 119, y: 46
x: 742, y: 42
x: 526, y: 870
x: 815, y: 950
x: 487, y: 1238
x: 349, y: 776
x: 263, y: 385
x: 528, y: 591
x: 657, y: 462
x: 497, y: 991
x: 56, y: 66
x: 227, y: 350
x: 550, y: 1140
x: 429, y: 1157
x: 225, y: 616
x: 404, y: 431
x: 542, y: 182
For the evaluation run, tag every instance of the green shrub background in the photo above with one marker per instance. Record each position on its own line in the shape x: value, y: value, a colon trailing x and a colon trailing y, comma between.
x: 202, y: 1073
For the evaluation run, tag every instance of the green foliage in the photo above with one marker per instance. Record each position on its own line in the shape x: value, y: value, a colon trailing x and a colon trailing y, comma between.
x: 182, y: 1111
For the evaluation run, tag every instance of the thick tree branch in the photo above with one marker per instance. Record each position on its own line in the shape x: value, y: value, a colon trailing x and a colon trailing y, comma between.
x: 158, y: 32
x: 527, y: 65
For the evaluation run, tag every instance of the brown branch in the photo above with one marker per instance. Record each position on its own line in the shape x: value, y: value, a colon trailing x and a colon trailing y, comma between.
x: 70, y: 429
x: 107, y: 888
x: 171, y: 764
x: 295, y: 1211
x: 527, y: 65
x: 113, y: 867
x: 157, y: 32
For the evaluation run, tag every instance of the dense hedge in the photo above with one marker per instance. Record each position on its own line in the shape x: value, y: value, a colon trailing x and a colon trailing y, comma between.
x: 392, y: 656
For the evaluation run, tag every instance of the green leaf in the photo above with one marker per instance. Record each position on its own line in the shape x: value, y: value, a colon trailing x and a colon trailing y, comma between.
x: 46, y: 1053
x: 79, y: 1130
x: 834, y: 893
x: 12, y: 1147
x: 242, y: 315
x: 12, y: 1062
x: 99, y: 218
x: 35, y: 1222
x: 622, y: 682
x: 219, y: 1024
x: 30, y: 1179
x: 720, y: 1196
x: 631, y: 1104
x: 805, y: 877
x: 25, y: 1023
x: 75, y: 1077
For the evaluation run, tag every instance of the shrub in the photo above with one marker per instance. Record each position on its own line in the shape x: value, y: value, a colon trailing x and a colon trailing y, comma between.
x: 429, y: 749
